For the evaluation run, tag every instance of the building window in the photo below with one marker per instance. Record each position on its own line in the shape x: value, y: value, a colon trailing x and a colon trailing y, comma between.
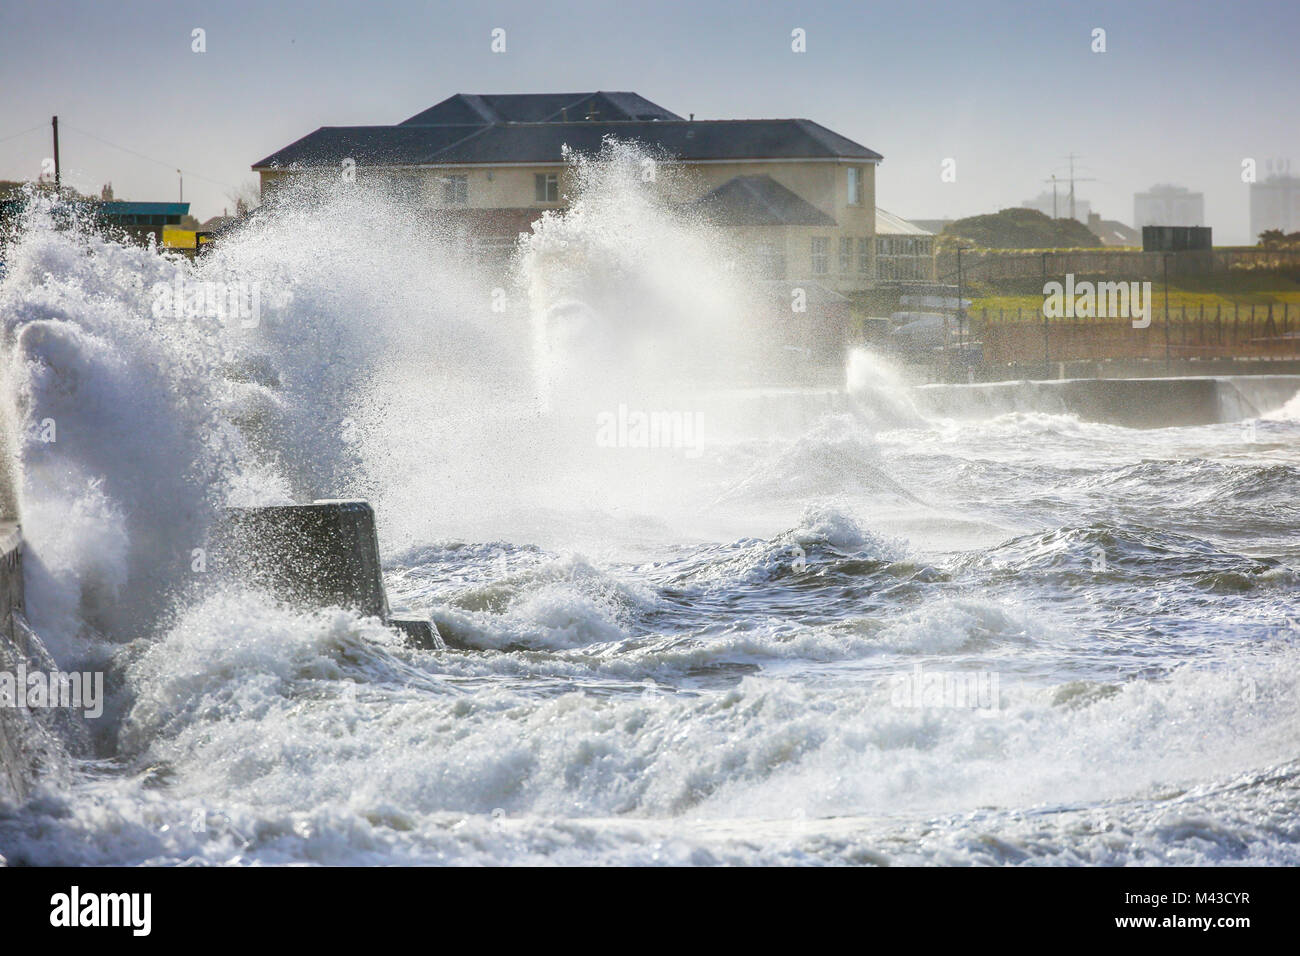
x: 899, y: 257
x: 455, y: 190
x: 855, y: 186
x: 769, y: 258
x: 864, y: 255
x: 846, y: 254
x: 405, y: 187
x: 546, y: 187
x: 820, y: 257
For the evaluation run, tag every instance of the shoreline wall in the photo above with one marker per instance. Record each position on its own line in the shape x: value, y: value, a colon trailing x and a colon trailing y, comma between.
x: 1132, y: 402
x: 15, y: 763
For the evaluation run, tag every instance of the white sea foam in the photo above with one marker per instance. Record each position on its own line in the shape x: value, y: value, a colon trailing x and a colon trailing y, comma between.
x: 656, y: 674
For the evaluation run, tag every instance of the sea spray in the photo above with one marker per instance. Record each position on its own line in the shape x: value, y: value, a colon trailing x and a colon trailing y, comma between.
x: 660, y: 677
x: 117, y: 418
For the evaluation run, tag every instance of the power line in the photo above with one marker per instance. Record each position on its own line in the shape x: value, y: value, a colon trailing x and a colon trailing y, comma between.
x: 23, y: 133
x: 215, y: 182
x: 1072, y: 180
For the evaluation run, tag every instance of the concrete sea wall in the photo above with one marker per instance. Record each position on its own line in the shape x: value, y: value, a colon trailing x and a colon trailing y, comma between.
x: 1133, y: 403
x: 16, y: 761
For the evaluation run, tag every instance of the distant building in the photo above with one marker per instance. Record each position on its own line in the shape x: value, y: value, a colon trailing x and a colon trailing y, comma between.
x: 771, y: 223
x: 217, y: 223
x: 1112, y: 232
x: 932, y: 226
x: 143, y: 222
x: 1168, y: 206
x: 1275, y: 204
x: 1058, y: 206
x: 903, y: 249
x: 148, y: 222
x: 800, y: 197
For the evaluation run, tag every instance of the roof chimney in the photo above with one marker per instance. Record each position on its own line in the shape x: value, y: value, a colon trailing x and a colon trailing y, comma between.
x: 692, y: 117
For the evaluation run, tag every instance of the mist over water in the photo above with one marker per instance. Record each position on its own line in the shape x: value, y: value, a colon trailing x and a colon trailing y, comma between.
x: 691, y: 653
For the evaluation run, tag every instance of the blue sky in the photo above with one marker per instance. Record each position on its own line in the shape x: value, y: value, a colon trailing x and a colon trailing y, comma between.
x: 1184, y: 92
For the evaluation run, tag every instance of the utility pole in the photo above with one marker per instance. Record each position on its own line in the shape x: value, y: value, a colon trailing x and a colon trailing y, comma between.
x: 1073, y: 179
x: 58, y: 181
x: 961, y: 313
x: 181, y: 177
x: 1168, y: 358
x: 1072, y: 185
x: 1047, y: 360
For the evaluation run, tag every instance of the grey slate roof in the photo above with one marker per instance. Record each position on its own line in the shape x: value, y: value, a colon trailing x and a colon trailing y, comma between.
x: 488, y: 108
x: 543, y: 142
x: 1112, y: 232
x: 470, y: 129
x: 887, y: 224
x: 370, y: 145
x: 760, y: 201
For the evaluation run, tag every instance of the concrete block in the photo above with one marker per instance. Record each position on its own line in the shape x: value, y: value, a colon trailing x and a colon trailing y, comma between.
x: 419, y: 633
x: 325, y: 554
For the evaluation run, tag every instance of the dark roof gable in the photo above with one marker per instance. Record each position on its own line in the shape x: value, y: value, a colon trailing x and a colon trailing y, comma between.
x: 474, y: 129
x: 469, y: 145
x: 489, y: 108
x: 760, y: 201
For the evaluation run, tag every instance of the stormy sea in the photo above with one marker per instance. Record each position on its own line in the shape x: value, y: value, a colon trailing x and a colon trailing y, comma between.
x: 695, y: 613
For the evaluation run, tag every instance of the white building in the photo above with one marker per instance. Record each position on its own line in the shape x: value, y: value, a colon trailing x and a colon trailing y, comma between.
x: 1059, y: 208
x: 1275, y: 204
x: 903, y: 249
x: 1168, y: 206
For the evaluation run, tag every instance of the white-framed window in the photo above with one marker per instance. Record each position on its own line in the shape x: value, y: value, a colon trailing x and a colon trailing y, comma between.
x: 864, y: 255
x: 846, y: 254
x: 821, y: 255
x: 546, y: 187
x: 900, y: 257
x: 455, y: 190
x: 856, y: 186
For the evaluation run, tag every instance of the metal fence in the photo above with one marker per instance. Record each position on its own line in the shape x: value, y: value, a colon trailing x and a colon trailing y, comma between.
x: 1238, y: 331
x: 994, y: 264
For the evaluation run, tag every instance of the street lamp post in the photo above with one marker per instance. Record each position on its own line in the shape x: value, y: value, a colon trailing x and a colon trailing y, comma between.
x: 961, y: 323
x: 1168, y: 355
x: 1047, y: 360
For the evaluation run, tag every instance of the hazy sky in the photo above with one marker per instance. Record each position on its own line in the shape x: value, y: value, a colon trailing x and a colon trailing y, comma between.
x: 1184, y: 91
